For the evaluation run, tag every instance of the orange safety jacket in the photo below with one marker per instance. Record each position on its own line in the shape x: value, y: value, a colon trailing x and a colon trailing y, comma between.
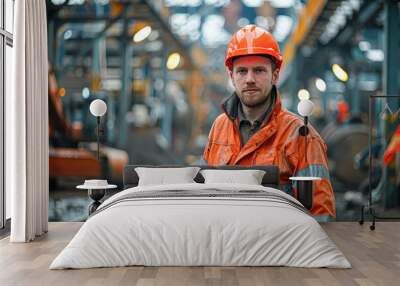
x: 277, y: 142
x: 393, y: 148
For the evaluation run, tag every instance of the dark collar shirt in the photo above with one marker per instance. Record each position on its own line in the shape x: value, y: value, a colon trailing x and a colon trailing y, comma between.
x: 247, y: 129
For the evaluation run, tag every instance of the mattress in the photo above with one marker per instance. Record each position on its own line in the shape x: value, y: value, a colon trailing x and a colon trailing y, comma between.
x: 201, y: 225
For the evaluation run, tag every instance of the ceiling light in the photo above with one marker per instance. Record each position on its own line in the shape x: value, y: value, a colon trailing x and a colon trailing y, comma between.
x: 368, y: 85
x: 102, y: 2
x: 186, y: 25
x: 347, y: 8
x: 67, y: 34
x: 213, y: 31
x: 142, y: 34
x: 253, y: 3
x: 282, y: 3
x: 303, y: 94
x: 320, y: 84
x: 154, y: 35
x: 339, y: 72
x: 355, y: 4
x: 243, y: 22
x: 217, y: 3
x: 85, y: 92
x: 364, y: 46
x: 338, y: 19
x: 62, y: 92
x: 173, y: 61
x: 283, y: 27
x: 375, y: 55
x: 182, y: 3
x: 76, y: 2
x: 58, y: 2
x: 154, y: 46
x: 264, y: 22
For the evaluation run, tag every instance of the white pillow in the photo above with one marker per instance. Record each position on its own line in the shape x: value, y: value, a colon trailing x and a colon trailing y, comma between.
x: 249, y: 177
x: 163, y: 176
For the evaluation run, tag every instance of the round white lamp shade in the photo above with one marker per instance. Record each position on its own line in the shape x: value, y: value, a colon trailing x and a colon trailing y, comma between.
x: 98, y: 107
x: 305, y: 107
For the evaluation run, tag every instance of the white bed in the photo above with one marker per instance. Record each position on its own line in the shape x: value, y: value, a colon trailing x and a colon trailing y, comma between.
x: 223, y: 225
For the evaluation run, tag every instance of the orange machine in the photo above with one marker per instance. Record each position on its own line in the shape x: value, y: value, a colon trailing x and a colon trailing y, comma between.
x: 73, y: 162
x: 65, y: 159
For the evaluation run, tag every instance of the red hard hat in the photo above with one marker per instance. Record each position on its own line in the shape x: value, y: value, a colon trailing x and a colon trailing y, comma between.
x: 252, y: 40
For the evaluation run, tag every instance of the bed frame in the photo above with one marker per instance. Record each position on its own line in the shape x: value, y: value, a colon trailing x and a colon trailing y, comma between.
x: 270, y: 179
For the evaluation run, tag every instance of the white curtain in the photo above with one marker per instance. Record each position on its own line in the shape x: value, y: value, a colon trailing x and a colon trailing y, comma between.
x: 27, y: 123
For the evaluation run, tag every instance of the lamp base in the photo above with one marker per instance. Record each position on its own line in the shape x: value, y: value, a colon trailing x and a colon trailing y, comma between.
x: 304, y: 193
x: 303, y: 190
x: 96, y: 195
x: 93, y: 207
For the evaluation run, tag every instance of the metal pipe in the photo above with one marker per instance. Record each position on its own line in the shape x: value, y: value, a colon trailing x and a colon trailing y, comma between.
x: 305, y: 138
x: 98, y: 136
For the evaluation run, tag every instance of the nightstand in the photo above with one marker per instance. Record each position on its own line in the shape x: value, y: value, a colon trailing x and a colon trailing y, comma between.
x: 96, y: 191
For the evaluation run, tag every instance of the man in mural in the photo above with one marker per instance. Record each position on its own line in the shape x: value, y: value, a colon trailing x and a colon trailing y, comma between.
x: 254, y: 129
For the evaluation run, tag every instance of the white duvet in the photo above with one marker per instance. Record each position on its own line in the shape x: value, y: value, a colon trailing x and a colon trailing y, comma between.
x: 183, y: 231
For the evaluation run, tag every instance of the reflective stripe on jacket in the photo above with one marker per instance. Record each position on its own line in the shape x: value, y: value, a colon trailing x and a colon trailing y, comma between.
x: 276, y: 143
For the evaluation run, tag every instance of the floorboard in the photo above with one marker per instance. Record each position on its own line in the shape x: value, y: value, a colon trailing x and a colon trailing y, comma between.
x: 374, y: 255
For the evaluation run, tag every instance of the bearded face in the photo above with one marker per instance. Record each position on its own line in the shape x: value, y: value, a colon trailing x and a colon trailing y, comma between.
x: 253, y: 78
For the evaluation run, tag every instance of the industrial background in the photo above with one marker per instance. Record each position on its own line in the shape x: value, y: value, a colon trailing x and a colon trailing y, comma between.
x: 159, y: 66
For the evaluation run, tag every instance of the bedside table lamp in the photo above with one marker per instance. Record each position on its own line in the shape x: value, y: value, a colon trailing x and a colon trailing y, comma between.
x: 96, y: 188
x: 98, y: 108
x: 304, y: 185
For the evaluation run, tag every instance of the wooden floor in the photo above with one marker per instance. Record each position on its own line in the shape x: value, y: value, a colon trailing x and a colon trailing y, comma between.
x: 374, y: 255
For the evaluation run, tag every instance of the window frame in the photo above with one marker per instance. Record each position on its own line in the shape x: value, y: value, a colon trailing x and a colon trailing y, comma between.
x: 6, y: 39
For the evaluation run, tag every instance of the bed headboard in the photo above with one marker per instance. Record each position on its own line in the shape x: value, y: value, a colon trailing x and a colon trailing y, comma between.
x: 270, y: 179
